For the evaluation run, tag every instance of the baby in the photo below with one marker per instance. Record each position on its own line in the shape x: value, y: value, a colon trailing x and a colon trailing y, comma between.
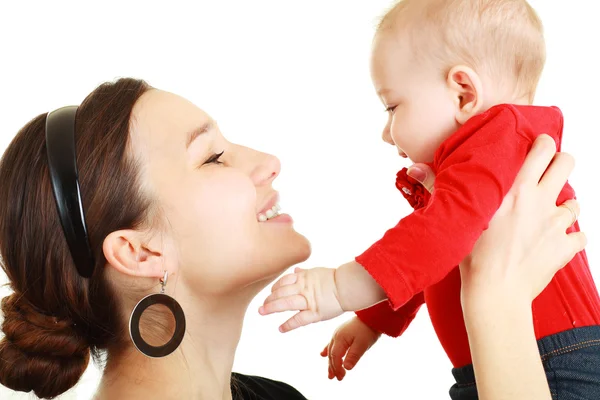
x: 457, y: 78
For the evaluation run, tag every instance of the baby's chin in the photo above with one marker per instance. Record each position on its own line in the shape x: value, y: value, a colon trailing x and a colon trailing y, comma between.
x: 423, y: 158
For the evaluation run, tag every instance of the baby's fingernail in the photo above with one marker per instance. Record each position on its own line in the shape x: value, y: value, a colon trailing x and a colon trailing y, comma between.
x: 261, y: 309
x: 417, y: 173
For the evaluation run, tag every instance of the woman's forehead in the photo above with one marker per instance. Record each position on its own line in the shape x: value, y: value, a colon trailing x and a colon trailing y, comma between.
x: 161, y: 116
x: 160, y: 129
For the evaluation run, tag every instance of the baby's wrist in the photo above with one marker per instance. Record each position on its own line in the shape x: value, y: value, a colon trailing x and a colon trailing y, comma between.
x: 355, y: 288
x: 340, y: 291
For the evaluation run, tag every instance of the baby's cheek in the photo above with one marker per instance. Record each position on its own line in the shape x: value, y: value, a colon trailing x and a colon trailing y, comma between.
x: 400, y: 131
x: 408, y: 138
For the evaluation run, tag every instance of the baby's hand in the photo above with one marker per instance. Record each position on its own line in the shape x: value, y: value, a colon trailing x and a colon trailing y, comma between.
x: 312, y: 292
x: 349, y: 342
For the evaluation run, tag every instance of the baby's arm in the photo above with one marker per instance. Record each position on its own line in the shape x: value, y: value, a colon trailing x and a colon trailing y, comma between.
x: 384, y: 319
x: 381, y: 317
x: 473, y: 176
x: 320, y: 294
x: 474, y: 173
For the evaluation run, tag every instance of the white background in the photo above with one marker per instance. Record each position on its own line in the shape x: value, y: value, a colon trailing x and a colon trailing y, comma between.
x: 291, y: 78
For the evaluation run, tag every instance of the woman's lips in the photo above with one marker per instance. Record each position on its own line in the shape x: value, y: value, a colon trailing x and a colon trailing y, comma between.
x: 271, y: 210
x: 273, y: 200
x: 281, y: 218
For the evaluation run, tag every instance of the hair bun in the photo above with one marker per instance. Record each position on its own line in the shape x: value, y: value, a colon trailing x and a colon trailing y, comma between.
x: 39, y: 353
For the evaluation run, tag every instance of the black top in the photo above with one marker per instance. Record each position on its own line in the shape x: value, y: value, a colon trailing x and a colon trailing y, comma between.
x: 247, y: 387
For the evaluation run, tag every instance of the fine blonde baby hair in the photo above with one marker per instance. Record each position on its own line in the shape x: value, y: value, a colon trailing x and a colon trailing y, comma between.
x: 503, y: 39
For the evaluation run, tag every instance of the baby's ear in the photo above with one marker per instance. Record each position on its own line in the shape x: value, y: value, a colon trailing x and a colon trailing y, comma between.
x: 467, y: 92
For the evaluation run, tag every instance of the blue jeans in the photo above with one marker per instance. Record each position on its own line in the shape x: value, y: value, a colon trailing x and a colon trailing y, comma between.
x: 571, y: 360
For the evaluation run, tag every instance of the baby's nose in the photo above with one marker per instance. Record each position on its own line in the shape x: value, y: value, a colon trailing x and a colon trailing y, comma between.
x: 387, y: 137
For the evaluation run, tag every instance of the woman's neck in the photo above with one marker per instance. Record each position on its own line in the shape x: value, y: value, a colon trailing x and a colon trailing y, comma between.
x: 200, y: 368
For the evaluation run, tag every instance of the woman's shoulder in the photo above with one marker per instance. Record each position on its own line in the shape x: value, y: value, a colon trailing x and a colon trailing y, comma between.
x: 249, y: 387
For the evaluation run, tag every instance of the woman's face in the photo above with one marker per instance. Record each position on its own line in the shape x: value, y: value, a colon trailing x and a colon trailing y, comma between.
x: 213, y: 208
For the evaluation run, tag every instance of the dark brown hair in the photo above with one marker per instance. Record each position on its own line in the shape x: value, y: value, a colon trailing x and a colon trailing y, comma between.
x: 55, y: 319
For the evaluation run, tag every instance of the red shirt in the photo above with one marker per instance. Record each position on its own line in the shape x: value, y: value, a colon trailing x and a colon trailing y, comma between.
x: 416, y: 261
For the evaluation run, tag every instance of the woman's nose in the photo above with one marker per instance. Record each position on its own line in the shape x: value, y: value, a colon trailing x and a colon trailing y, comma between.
x: 265, y: 169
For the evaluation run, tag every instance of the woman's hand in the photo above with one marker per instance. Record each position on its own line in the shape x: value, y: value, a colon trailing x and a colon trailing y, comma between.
x: 511, y: 263
x: 527, y: 240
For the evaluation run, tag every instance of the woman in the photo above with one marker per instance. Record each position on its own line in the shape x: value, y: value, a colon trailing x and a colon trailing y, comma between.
x: 164, y: 199
x: 163, y: 191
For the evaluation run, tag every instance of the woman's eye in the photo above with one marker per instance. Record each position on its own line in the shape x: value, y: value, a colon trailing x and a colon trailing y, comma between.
x: 390, y: 109
x: 214, y: 159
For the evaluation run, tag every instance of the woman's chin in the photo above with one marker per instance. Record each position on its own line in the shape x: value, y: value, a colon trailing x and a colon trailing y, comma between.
x: 251, y: 272
x: 296, y: 254
x: 304, y: 250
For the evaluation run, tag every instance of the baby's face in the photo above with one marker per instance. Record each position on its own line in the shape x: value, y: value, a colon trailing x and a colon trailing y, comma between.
x: 421, y: 109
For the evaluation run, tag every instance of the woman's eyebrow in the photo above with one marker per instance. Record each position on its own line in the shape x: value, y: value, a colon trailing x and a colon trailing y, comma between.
x: 192, y: 135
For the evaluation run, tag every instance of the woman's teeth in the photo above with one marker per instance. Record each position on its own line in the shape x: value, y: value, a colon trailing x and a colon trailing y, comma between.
x: 270, y: 213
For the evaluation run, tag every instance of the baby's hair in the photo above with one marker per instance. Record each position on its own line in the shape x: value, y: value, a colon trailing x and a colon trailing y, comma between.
x: 503, y: 39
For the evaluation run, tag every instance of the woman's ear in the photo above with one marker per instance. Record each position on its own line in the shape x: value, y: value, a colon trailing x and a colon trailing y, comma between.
x: 467, y: 92
x: 124, y: 250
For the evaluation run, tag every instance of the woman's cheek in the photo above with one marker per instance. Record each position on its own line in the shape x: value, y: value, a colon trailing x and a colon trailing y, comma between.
x: 231, y: 200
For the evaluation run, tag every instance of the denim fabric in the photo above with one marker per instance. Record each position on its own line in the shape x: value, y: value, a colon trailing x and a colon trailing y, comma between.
x: 571, y: 360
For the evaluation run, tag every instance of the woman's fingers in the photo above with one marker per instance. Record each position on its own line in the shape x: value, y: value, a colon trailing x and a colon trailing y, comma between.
x: 537, y: 160
x: 578, y: 242
x: 568, y: 213
x: 557, y: 174
x: 573, y: 244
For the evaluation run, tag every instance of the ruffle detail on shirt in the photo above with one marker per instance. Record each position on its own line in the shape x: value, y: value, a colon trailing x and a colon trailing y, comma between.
x: 412, y: 190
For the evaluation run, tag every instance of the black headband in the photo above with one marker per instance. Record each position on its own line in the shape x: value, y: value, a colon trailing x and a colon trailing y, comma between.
x: 62, y: 163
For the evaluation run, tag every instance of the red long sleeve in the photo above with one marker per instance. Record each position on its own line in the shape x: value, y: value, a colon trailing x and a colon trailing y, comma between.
x: 474, y: 168
x: 473, y: 174
x: 382, y: 317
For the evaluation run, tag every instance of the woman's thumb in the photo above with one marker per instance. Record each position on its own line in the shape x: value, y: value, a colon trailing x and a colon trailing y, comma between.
x: 422, y: 173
